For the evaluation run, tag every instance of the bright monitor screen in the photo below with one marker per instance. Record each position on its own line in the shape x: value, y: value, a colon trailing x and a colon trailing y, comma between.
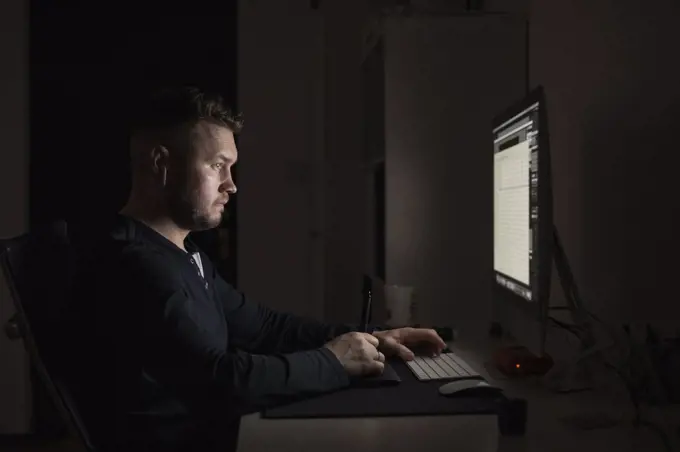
x: 515, y: 201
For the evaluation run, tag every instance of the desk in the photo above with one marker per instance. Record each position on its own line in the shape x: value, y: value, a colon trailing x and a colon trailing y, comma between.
x: 388, y: 434
x: 546, y: 429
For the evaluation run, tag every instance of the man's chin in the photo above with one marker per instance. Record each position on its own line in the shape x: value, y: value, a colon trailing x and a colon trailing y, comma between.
x: 196, y: 220
x: 205, y: 223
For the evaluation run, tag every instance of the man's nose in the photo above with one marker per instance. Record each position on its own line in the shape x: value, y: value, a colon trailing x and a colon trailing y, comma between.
x: 229, y: 186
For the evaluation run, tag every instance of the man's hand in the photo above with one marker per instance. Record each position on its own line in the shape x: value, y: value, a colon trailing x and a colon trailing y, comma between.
x: 358, y: 354
x: 398, y: 341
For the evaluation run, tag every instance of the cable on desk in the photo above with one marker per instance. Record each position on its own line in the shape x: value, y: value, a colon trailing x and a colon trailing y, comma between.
x: 633, y: 388
x: 659, y: 431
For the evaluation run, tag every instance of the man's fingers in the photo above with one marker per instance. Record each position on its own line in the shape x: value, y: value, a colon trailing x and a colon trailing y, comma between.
x: 427, y: 335
x: 374, y: 354
x: 405, y: 353
x: 380, y: 357
x: 372, y: 339
x: 373, y: 368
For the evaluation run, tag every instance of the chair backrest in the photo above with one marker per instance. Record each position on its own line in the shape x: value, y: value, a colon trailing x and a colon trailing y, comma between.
x: 39, y: 267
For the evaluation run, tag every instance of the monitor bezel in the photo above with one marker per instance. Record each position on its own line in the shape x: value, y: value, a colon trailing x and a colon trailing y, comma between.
x: 538, y: 307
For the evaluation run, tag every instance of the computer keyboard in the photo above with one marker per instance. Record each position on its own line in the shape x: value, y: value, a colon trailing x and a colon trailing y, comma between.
x: 445, y: 366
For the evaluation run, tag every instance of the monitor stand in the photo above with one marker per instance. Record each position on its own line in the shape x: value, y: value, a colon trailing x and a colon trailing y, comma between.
x: 579, y: 373
x: 576, y: 374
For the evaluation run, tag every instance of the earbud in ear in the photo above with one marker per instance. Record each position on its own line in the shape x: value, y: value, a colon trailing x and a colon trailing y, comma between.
x: 165, y: 176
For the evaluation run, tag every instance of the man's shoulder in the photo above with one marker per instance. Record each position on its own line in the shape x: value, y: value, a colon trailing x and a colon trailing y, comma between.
x: 136, y: 257
x: 133, y: 266
x: 116, y: 243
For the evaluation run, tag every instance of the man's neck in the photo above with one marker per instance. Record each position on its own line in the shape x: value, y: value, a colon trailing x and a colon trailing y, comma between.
x: 159, y: 223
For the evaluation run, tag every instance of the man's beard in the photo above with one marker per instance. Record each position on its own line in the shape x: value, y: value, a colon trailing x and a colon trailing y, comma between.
x: 187, y: 211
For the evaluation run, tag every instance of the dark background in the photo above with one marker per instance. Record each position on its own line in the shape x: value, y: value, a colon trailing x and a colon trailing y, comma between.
x: 87, y: 61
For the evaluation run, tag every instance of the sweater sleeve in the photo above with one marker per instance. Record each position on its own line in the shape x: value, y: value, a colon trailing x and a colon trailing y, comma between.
x: 259, y: 329
x: 181, y: 351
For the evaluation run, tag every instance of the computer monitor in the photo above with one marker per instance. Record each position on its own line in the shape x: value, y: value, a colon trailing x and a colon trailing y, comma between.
x: 522, y: 220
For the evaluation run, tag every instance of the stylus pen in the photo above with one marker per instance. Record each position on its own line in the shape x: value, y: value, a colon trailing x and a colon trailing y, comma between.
x: 366, y: 315
x: 364, y: 326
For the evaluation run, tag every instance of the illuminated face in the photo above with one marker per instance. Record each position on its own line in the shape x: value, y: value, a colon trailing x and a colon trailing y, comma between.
x: 200, y: 189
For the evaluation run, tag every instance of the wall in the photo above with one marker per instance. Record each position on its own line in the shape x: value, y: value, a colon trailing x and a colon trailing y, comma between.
x: 280, y: 176
x: 300, y: 207
x: 14, y: 377
x: 346, y: 194
x: 611, y: 81
x: 612, y: 95
x: 445, y: 79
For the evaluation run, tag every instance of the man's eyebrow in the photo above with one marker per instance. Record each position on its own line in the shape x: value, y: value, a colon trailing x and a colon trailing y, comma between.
x: 223, y: 156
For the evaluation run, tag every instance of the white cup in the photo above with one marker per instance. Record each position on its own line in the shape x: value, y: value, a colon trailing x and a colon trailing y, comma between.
x: 400, y: 304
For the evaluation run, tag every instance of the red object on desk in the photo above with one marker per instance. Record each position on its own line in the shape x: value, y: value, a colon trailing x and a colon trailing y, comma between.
x: 518, y: 361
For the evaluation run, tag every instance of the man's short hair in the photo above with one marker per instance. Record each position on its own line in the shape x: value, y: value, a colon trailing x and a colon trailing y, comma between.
x: 170, y: 107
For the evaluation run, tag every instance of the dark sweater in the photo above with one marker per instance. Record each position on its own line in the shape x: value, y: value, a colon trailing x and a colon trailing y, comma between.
x: 165, y: 358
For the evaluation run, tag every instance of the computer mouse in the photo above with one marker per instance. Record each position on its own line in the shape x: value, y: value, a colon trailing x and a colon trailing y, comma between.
x: 468, y: 387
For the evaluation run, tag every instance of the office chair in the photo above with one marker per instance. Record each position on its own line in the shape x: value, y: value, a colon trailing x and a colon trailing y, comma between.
x: 38, y: 268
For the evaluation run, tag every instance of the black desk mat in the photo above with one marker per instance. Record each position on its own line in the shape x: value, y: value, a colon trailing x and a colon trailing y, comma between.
x: 410, y: 397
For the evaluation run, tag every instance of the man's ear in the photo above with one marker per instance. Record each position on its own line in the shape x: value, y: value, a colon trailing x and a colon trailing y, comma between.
x: 160, y: 158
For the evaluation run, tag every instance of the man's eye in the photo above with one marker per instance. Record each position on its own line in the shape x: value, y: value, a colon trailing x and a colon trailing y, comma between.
x: 218, y: 165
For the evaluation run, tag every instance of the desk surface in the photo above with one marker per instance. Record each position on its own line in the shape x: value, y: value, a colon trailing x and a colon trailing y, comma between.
x: 546, y: 426
x: 388, y: 434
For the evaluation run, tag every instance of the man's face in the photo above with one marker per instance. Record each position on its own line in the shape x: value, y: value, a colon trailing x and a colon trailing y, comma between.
x: 200, y: 185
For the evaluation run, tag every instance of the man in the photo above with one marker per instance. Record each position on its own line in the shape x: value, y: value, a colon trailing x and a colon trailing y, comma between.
x: 168, y: 356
